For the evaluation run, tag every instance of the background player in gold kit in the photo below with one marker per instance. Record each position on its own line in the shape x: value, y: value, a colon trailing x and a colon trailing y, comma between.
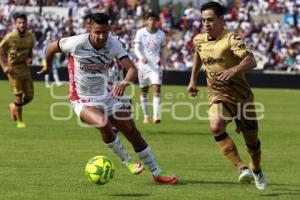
x: 226, y: 58
x: 15, y: 58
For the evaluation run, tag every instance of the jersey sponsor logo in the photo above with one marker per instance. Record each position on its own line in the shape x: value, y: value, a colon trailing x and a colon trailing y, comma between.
x: 95, y: 68
x: 211, y: 61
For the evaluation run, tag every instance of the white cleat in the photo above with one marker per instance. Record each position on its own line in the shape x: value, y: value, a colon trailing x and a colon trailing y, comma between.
x: 146, y: 120
x: 245, y: 176
x: 58, y: 84
x: 260, y: 180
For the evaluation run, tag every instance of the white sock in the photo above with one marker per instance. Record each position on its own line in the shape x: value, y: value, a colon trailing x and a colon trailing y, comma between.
x: 148, y: 158
x: 118, y: 149
x: 144, y: 104
x: 56, y: 77
x: 156, y: 107
x: 47, y: 77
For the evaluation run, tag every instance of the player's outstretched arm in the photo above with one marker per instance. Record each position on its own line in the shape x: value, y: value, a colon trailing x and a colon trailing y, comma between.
x: 197, y: 63
x: 50, y: 52
x: 129, y: 78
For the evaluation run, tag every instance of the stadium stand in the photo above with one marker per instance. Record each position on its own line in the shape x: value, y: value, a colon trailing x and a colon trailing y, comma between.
x: 271, y: 27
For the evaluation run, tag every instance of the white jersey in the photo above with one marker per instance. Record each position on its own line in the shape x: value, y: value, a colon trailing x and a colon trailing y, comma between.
x: 88, y: 67
x: 115, y: 73
x: 151, y: 44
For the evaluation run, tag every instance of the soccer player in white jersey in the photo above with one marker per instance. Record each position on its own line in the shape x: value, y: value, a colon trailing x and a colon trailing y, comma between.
x: 94, y: 101
x: 148, y: 47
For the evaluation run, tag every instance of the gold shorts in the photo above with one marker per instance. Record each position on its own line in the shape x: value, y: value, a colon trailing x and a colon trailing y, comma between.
x: 244, y: 115
x: 21, y: 85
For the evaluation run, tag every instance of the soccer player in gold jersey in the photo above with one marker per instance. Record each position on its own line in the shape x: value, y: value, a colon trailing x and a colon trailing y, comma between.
x: 226, y: 58
x: 15, y: 58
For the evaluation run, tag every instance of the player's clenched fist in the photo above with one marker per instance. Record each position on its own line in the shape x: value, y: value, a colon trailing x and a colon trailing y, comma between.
x: 192, y: 89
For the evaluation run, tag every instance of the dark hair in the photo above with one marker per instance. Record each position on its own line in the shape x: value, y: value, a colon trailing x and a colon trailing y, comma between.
x: 20, y: 15
x: 151, y: 14
x: 88, y: 16
x: 215, y: 6
x: 100, y: 18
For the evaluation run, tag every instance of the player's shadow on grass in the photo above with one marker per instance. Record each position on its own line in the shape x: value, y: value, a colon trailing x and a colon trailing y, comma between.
x: 186, y: 182
x: 204, y: 182
x: 275, y: 194
x: 282, y: 191
x: 130, y: 195
x: 284, y: 184
x: 188, y: 133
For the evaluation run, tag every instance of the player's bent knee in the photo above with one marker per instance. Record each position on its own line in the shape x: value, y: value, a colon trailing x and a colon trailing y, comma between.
x: 27, y: 99
x: 217, y: 127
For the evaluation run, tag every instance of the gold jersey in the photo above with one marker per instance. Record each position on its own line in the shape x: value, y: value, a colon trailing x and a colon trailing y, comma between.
x: 225, y: 52
x: 18, y: 49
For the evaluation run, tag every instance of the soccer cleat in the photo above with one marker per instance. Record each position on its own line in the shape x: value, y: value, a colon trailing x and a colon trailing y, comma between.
x: 134, y: 167
x: 21, y: 124
x: 156, y: 120
x: 260, y: 180
x: 11, y: 108
x: 146, y: 120
x: 245, y: 175
x: 164, y: 178
x: 58, y: 84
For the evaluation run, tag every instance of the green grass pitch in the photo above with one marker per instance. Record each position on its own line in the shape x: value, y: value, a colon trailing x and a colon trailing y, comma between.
x: 46, y: 160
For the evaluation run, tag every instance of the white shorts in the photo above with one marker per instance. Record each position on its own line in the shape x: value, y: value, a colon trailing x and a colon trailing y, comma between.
x: 109, y: 105
x: 127, y: 102
x: 150, y: 76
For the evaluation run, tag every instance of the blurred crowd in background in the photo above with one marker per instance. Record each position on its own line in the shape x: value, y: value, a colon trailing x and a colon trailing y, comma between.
x: 270, y: 28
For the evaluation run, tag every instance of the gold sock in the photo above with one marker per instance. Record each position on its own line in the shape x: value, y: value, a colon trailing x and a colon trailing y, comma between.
x: 228, y: 147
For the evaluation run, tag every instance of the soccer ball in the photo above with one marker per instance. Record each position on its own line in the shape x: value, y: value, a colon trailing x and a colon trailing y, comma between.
x: 100, y: 170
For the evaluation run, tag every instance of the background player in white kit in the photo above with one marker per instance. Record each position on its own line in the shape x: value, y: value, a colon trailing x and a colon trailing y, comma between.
x: 95, y: 101
x: 148, y: 47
